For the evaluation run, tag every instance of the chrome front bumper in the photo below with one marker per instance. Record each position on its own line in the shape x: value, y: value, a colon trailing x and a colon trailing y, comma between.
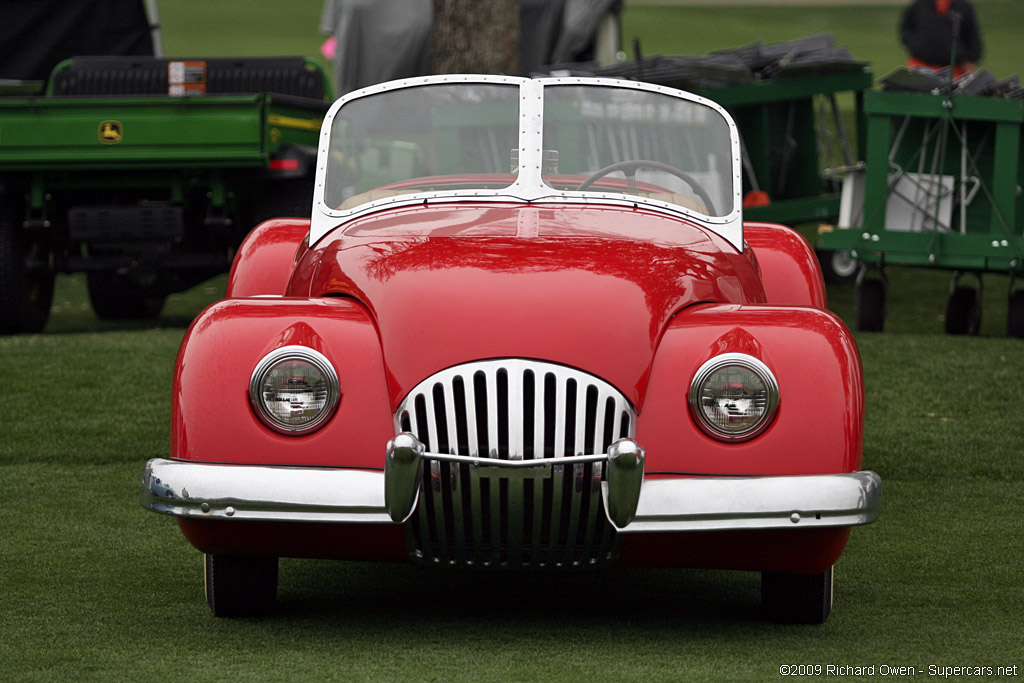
x: 633, y: 504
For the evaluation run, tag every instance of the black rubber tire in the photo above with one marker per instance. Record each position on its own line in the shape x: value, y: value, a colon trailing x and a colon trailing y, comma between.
x: 117, y: 297
x: 240, y: 586
x: 871, y: 306
x: 25, y: 297
x: 797, y: 598
x: 1015, y: 315
x: 963, y: 311
x: 837, y: 265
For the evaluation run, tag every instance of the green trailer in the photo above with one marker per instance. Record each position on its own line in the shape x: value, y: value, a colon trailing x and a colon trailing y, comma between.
x: 941, y: 190
x: 789, y: 126
x: 146, y: 173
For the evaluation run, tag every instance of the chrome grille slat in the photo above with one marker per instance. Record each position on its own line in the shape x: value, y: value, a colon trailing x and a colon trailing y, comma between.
x: 515, y: 506
x: 439, y: 528
x: 475, y: 487
x: 561, y: 400
x: 513, y: 409
x: 452, y: 474
x: 575, y: 492
x: 539, y: 432
x: 493, y: 485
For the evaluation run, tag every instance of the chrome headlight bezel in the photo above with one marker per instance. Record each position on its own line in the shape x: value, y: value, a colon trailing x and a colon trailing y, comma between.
x: 286, y: 354
x: 745, y: 363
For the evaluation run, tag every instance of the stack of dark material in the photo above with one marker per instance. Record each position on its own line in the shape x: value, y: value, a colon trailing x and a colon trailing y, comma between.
x: 811, y: 56
x: 112, y: 76
x: 980, y: 83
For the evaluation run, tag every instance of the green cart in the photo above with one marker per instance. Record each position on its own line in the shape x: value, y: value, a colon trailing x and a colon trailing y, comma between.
x: 941, y: 189
x: 789, y: 126
x: 146, y: 173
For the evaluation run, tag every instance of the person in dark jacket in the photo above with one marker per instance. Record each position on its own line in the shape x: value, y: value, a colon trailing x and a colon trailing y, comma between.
x: 927, y: 28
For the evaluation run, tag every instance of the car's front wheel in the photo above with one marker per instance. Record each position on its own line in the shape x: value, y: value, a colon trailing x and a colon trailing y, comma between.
x: 797, y: 598
x: 240, y: 586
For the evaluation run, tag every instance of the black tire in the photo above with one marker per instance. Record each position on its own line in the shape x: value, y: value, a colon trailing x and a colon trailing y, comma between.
x: 117, y: 297
x: 963, y: 311
x: 871, y: 306
x: 797, y: 598
x: 837, y: 265
x: 240, y: 586
x: 1015, y: 315
x: 25, y: 295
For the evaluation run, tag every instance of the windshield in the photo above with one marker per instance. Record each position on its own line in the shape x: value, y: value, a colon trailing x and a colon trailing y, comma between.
x: 638, y: 143
x: 493, y: 138
x: 456, y: 136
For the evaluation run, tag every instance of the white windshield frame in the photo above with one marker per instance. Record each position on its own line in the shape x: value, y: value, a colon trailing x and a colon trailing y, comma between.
x: 529, y: 185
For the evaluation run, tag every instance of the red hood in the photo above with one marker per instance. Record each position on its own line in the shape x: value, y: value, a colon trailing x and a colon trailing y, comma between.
x: 588, y: 287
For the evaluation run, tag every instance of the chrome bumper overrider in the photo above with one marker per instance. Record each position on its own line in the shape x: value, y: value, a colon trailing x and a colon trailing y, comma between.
x: 632, y: 503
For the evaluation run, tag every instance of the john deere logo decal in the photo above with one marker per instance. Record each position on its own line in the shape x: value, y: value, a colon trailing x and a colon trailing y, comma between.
x: 110, y: 132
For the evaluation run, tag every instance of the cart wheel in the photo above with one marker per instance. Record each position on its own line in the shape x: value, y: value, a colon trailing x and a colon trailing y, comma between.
x: 25, y: 295
x: 837, y: 265
x: 115, y: 297
x: 240, y: 586
x: 963, y: 311
x: 871, y: 306
x: 797, y: 598
x: 1015, y: 315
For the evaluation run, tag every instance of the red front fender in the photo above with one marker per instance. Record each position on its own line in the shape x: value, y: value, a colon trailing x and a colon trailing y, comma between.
x: 212, y: 419
x: 818, y: 428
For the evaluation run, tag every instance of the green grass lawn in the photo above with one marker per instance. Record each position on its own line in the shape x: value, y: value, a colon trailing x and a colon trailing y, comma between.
x: 94, y: 587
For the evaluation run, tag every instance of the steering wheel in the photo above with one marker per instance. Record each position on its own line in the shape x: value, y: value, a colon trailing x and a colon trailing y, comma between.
x: 629, y: 168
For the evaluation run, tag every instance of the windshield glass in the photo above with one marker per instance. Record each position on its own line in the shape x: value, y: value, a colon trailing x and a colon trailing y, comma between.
x: 422, y: 139
x: 461, y: 139
x: 639, y: 143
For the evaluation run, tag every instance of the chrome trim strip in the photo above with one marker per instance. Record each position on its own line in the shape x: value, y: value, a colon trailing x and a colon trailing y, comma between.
x: 265, y: 493
x: 516, y: 464
x: 743, y: 503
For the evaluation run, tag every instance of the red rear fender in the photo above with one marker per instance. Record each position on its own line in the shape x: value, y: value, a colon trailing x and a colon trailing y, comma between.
x: 789, y: 269
x: 266, y: 257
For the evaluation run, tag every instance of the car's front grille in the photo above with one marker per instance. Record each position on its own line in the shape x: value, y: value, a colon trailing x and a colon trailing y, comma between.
x: 513, y: 409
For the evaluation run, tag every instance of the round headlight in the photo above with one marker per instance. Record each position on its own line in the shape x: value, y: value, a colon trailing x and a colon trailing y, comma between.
x: 734, y: 396
x: 294, y: 390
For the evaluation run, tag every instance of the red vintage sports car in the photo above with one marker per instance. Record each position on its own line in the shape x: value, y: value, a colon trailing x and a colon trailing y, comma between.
x: 525, y: 328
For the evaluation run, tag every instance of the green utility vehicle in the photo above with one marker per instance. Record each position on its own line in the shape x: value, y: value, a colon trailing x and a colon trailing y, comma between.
x: 146, y: 173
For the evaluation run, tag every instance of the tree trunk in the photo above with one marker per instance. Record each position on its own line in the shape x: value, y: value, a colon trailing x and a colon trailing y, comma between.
x: 476, y: 36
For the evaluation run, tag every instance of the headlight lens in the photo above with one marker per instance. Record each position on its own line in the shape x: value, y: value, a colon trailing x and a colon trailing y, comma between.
x: 734, y: 397
x: 294, y: 390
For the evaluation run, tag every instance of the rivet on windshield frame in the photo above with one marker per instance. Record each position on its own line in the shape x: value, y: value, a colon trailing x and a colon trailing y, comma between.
x: 229, y: 511
x: 205, y: 507
x: 795, y: 517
